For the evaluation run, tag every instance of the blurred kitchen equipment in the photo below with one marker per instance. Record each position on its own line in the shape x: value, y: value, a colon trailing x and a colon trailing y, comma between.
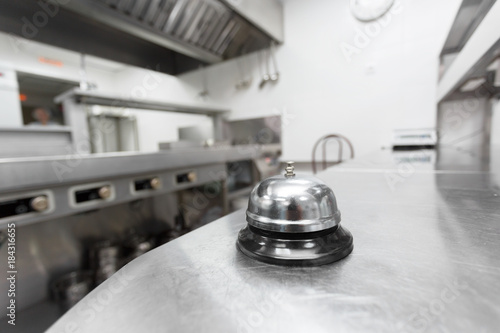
x: 204, y: 93
x: 198, y: 134
x: 179, y: 145
x: 3, y: 238
x: 240, y: 175
x: 324, y: 140
x: 170, y: 234
x: 241, y: 178
x: 254, y: 131
x: 70, y: 230
x: 265, y: 132
x: 104, y: 259
x: 413, y: 139
x: 245, y: 73
x: 238, y: 203
x: 294, y: 220
x: 112, y: 130
x: 84, y: 82
x: 135, y: 246
x: 76, y: 103
x: 201, y: 205
x: 166, y: 236
x: 70, y: 288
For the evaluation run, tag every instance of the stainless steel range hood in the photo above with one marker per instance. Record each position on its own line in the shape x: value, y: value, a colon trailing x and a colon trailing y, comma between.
x: 188, y: 32
x: 206, y: 30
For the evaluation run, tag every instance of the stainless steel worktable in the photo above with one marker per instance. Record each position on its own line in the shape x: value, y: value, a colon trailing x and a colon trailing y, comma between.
x: 426, y: 258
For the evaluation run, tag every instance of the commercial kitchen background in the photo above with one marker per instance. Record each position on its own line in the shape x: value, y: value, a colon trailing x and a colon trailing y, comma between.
x: 367, y: 81
x: 388, y: 82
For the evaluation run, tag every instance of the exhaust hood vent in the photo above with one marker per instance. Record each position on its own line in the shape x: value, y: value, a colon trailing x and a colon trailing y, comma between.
x: 190, y: 33
x: 206, y: 30
x: 206, y: 24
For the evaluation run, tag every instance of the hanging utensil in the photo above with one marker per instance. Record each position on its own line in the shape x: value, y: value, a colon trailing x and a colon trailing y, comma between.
x: 244, y: 80
x: 272, y: 51
x: 265, y: 77
x: 204, y: 93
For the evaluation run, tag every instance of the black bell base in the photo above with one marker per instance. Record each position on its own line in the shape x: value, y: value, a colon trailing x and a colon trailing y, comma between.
x: 292, y: 249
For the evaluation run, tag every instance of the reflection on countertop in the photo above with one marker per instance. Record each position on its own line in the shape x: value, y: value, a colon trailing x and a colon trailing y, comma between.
x: 425, y: 259
x: 442, y: 159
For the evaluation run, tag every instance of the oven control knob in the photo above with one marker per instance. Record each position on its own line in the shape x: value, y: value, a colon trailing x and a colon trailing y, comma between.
x: 155, y: 183
x: 40, y: 203
x: 191, y: 176
x: 105, y: 192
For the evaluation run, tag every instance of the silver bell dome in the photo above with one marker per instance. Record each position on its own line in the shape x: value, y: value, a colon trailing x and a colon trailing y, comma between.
x: 292, y: 204
x: 294, y: 220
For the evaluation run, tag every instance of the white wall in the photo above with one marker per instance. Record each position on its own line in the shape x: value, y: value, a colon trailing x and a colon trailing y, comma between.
x: 389, y: 83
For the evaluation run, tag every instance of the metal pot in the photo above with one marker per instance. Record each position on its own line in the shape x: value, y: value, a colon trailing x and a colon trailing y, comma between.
x: 70, y: 288
x: 105, y: 259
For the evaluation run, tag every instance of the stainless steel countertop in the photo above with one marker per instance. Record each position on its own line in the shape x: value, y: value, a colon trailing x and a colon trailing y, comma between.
x: 426, y: 259
x: 35, y: 172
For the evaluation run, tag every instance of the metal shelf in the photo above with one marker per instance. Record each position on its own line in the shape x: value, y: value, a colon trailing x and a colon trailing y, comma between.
x: 105, y: 99
x: 469, y: 16
x: 475, y: 56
